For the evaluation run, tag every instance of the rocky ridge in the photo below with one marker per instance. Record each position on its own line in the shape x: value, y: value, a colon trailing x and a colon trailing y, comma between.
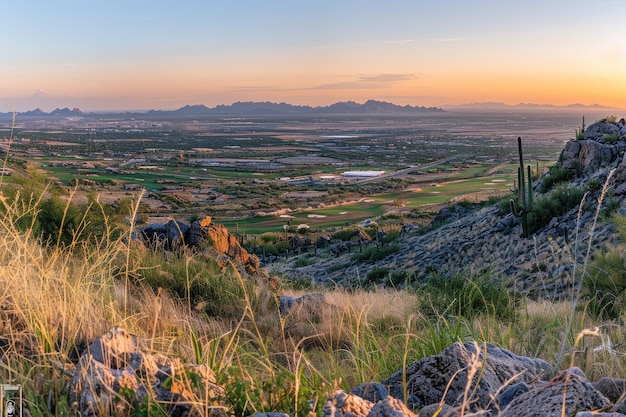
x: 478, y: 239
x: 212, y: 238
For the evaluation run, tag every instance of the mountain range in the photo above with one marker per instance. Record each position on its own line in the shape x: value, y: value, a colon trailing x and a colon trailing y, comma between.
x: 269, y: 108
x: 370, y: 107
x: 494, y: 106
x: 253, y: 108
x: 64, y: 112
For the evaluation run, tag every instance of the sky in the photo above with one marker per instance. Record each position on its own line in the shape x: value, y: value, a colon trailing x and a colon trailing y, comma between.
x: 155, y: 54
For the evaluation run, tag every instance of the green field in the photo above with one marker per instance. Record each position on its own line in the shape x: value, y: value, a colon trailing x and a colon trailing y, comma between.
x: 375, y: 206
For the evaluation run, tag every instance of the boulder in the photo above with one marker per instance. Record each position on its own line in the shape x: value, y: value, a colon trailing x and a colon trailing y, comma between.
x: 438, y: 410
x: 310, y: 302
x: 219, y: 241
x: 619, y: 178
x: 597, y: 131
x: 115, y: 375
x: 565, y: 395
x: 429, y: 379
x: 611, y: 388
x: 585, y: 157
x: 371, y: 391
x: 342, y: 404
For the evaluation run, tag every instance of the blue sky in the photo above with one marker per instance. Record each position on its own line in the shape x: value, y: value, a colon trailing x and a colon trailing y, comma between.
x: 164, y: 54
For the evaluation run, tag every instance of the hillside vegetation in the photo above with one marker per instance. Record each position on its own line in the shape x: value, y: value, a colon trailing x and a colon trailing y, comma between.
x: 70, y: 274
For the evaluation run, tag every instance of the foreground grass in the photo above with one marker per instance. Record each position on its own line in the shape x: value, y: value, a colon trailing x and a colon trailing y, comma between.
x: 56, y: 298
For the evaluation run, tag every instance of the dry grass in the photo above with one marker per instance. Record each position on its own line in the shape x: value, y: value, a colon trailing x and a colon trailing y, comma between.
x: 56, y: 298
x: 379, y: 304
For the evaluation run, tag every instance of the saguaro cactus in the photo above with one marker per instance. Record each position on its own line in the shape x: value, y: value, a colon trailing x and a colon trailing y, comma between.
x: 525, y: 192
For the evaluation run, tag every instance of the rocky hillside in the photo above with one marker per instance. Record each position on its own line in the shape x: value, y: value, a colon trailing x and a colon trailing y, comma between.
x: 476, y: 239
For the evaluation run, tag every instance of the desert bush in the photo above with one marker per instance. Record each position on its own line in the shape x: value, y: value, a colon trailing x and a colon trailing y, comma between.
x: 556, y: 203
x: 375, y: 253
x: 611, y: 139
x: 608, y: 119
x: 611, y: 205
x: 605, y: 283
x: 467, y: 297
x: 378, y: 274
x: 344, y: 234
x: 270, y: 245
x: 58, y: 220
x: 556, y: 175
x: 391, y: 235
x: 336, y: 267
x: 200, y: 282
x: 303, y: 261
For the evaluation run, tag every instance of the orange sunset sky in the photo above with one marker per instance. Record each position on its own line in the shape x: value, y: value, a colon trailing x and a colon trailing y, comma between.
x: 136, y: 54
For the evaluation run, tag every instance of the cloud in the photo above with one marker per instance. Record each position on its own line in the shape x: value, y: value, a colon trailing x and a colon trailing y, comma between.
x: 255, y: 88
x: 374, y: 81
x: 397, y: 41
x: 401, y: 41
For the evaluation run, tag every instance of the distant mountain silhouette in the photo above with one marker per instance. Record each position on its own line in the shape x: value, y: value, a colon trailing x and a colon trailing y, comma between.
x: 269, y: 108
x: 64, y: 112
x: 494, y: 106
x: 370, y: 107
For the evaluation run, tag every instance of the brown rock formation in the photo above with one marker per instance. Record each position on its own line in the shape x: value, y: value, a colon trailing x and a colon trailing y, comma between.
x: 216, y: 240
x: 213, y: 238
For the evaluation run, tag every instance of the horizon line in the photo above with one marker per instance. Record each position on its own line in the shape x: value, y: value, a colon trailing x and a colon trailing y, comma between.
x: 472, y: 105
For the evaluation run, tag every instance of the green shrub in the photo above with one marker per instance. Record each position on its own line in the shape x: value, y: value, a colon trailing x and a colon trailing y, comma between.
x: 376, y: 275
x: 608, y: 119
x: 200, y: 282
x: 612, y: 204
x: 375, y: 253
x: 336, y: 267
x: 605, y: 284
x: 611, y: 139
x: 556, y: 203
x: 391, y: 235
x: 271, y: 245
x: 594, y: 185
x: 555, y: 176
x: 466, y: 297
x: 344, y: 234
x: 303, y: 261
x: 397, y: 278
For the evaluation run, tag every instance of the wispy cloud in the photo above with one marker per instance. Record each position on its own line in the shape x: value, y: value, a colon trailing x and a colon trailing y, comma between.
x: 255, y: 88
x: 370, y: 81
x: 401, y: 41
